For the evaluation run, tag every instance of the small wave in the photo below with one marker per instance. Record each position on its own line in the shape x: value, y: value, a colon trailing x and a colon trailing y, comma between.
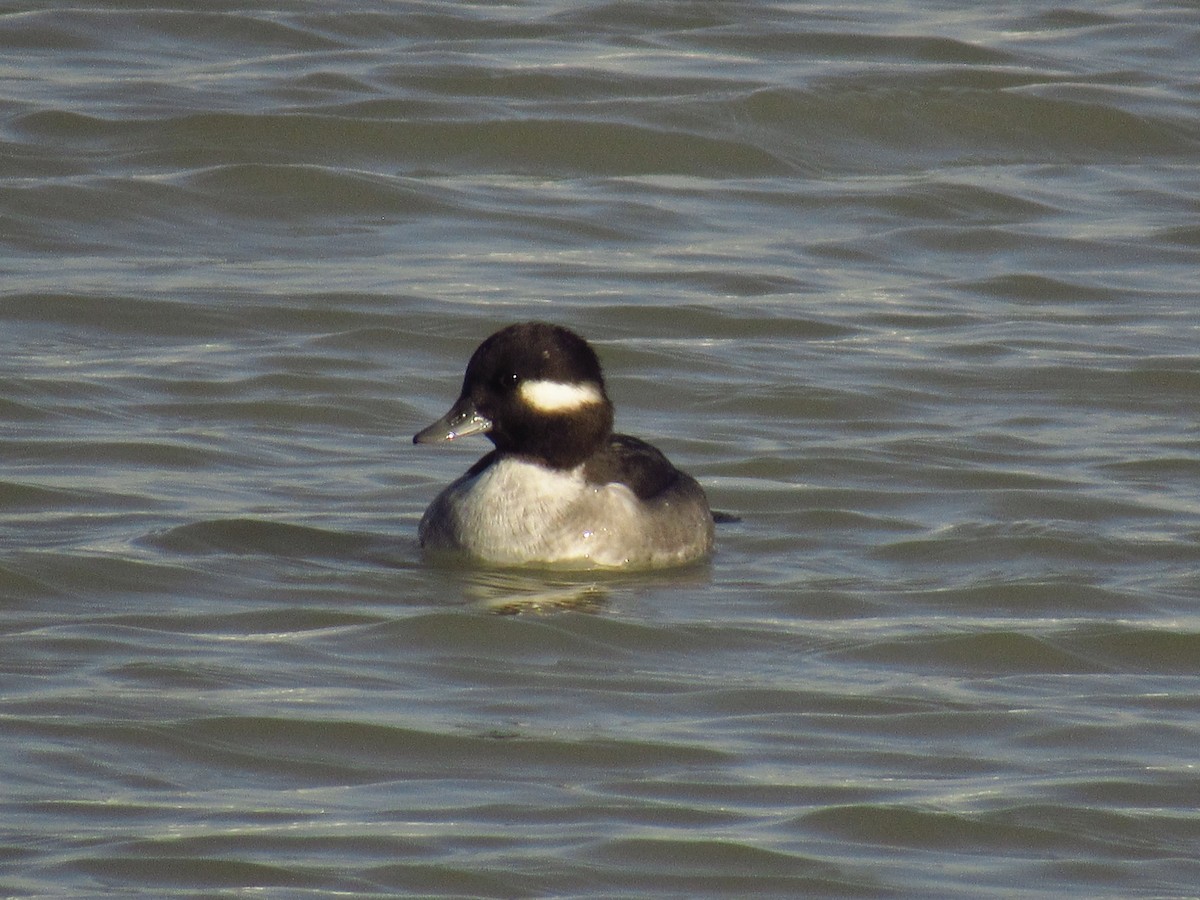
x: 257, y: 536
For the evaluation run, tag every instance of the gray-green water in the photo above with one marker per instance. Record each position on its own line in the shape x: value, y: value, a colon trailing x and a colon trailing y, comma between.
x: 911, y: 288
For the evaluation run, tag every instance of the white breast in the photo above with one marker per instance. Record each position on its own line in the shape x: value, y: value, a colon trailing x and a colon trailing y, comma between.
x: 519, y: 512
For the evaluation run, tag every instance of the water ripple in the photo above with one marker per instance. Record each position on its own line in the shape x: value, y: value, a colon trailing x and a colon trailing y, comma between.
x: 911, y: 292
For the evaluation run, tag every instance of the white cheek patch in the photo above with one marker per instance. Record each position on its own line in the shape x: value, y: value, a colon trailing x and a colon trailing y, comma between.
x: 558, y: 396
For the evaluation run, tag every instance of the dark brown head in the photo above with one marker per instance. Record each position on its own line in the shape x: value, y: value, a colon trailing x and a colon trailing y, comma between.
x: 535, y: 390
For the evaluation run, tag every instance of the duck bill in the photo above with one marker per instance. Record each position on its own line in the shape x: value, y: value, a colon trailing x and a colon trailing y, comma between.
x: 463, y: 420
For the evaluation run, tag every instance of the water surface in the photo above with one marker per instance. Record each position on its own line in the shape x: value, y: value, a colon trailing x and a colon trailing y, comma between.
x: 911, y: 290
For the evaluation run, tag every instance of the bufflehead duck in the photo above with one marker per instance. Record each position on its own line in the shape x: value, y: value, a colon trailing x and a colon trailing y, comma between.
x: 560, y: 487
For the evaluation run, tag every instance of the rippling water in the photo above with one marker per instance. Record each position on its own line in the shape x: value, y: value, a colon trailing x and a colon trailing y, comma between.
x: 910, y: 288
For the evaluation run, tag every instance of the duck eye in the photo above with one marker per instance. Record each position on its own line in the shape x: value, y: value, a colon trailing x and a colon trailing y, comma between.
x: 509, y: 381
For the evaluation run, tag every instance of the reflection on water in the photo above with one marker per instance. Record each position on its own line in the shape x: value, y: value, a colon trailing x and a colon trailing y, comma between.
x: 510, y: 593
x: 557, y: 589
